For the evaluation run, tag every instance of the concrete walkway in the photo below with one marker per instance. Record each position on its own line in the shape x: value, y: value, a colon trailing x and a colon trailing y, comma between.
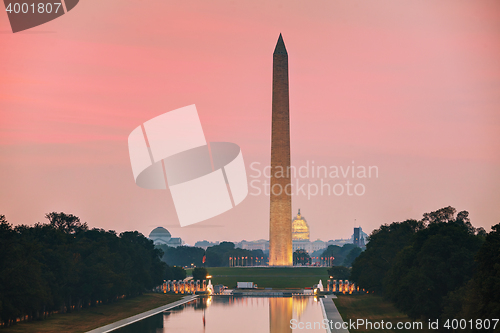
x: 141, y: 316
x: 331, y: 313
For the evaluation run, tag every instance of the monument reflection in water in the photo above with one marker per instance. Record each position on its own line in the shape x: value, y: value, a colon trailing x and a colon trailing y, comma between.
x: 234, y: 314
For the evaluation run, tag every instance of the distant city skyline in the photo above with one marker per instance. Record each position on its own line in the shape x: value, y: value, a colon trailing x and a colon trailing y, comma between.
x: 412, y: 88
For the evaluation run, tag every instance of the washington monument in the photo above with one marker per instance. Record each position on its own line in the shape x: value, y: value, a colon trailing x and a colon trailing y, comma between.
x: 280, y: 226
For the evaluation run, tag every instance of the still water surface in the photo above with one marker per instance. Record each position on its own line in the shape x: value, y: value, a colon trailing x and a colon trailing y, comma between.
x: 234, y: 314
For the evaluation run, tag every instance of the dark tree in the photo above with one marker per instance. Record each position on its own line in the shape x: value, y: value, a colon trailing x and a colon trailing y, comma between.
x: 338, y: 253
x: 61, y: 266
x: 371, y: 266
x: 182, y: 255
x: 339, y: 272
x: 200, y: 273
x: 351, y: 256
x: 178, y: 273
x: 438, y: 260
x: 301, y: 257
x: 487, y: 279
x: 216, y: 255
x: 480, y: 297
x: 67, y: 223
x: 425, y: 267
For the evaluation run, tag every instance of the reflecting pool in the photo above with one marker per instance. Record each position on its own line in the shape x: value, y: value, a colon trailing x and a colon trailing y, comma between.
x: 236, y: 314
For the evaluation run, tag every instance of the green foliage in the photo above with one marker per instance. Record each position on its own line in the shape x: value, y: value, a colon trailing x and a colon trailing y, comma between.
x: 200, y: 273
x: 487, y: 279
x: 339, y: 272
x: 301, y: 257
x: 423, y: 267
x: 67, y: 223
x: 182, y: 255
x: 62, y: 266
x: 480, y: 297
x: 371, y: 266
x: 175, y: 273
x: 217, y: 255
x: 351, y: 256
x: 339, y: 253
x: 462, y: 303
x: 440, y: 259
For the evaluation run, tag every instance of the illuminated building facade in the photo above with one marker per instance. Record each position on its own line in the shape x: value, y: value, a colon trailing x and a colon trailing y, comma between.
x: 300, y: 228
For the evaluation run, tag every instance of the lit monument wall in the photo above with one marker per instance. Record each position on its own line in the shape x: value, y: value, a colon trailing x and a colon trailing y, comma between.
x: 280, y: 226
x: 280, y: 314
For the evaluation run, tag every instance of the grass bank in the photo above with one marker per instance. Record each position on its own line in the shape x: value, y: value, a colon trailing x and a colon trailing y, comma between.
x: 269, y: 277
x: 90, y: 318
x: 373, y: 308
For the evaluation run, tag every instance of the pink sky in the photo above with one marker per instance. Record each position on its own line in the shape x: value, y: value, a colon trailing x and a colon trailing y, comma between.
x: 412, y: 87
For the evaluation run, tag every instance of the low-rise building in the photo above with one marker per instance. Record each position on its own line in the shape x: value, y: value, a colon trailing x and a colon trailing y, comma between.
x: 162, y: 236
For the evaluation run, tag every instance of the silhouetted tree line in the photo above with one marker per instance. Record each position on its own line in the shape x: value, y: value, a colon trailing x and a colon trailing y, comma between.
x: 200, y: 273
x: 480, y: 296
x: 175, y: 273
x: 182, y: 255
x: 439, y: 267
x: 63, y: 266
x: 344, y: 256
x: 301, y: 257
x: 339, y: 272
x: 216, y: 256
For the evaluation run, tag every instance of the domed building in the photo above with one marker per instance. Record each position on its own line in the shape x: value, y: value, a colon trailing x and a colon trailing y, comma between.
x: 300, y: 228
x: 162, y: 236
x: 301, y: 236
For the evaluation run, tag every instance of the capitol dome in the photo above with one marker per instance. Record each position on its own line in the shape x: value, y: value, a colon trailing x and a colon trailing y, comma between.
x: 300, y: 228
x: 160, y: 235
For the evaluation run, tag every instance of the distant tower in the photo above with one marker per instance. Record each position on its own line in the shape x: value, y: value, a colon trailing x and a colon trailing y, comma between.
x: 357, y: 237
x: 280, y: 226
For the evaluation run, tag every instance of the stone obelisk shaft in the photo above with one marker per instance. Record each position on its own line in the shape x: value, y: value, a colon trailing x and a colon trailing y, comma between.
x: 280, y: 233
